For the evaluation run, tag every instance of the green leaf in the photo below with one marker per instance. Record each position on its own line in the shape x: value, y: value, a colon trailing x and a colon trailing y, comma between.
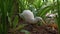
x: 45, y: 10
x: 25, y: 31
x: 15, y: 22
x: 9, y: 19
x: 58, y: 10
x: 21, y: 26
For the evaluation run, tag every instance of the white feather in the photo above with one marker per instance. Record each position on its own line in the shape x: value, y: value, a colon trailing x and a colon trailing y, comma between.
x: 29, y: 17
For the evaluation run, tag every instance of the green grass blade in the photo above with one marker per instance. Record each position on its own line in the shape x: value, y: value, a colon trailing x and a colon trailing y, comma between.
x: 15, y: 22
x: 58, y: 8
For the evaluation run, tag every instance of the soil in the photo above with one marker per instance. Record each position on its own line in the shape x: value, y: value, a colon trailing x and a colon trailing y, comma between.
x: 35, y: 29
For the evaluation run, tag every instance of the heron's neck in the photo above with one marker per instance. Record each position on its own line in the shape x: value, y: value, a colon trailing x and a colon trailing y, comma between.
x: 35, y: 20
x: 32, y: 20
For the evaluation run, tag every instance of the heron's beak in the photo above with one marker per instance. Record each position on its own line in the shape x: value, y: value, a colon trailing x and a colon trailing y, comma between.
x: 43, y: 22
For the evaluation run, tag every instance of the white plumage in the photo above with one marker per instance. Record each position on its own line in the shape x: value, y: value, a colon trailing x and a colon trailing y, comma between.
x: 29, y: 17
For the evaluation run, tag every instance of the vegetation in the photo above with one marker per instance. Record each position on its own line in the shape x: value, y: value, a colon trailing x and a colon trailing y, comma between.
x: 10, y: 10
x: 58, y: 8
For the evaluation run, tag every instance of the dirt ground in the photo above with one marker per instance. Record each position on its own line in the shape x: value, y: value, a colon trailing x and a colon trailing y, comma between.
x: 35, y: 29
x: 44, y: 29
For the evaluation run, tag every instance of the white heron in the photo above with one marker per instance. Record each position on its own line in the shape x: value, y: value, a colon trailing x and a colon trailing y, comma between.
x: 29, y: 17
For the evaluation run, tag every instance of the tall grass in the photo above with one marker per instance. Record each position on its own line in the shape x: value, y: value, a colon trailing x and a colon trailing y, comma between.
x: 5, y: 7
x: 58, y: 9
x: 8, y: 9
x: 3, y: 17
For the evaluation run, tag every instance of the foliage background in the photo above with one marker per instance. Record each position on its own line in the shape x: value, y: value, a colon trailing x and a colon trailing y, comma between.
x: 9, y: 10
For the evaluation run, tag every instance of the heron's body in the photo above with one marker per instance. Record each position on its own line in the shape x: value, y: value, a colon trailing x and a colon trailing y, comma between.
x: 29, y: 16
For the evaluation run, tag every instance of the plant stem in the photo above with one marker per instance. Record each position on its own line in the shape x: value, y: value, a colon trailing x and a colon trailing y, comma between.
x: 58, y: 9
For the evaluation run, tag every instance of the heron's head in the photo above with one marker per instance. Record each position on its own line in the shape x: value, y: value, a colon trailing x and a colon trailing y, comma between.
x: 38, y: 19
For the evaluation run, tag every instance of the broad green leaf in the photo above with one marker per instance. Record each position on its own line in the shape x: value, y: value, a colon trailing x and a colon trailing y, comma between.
x: 15, y: 22
x: 45, y: 10
x: 21, y: 26
x: 25, y: 31
x: 9, y: 19
x: 58, y: 10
